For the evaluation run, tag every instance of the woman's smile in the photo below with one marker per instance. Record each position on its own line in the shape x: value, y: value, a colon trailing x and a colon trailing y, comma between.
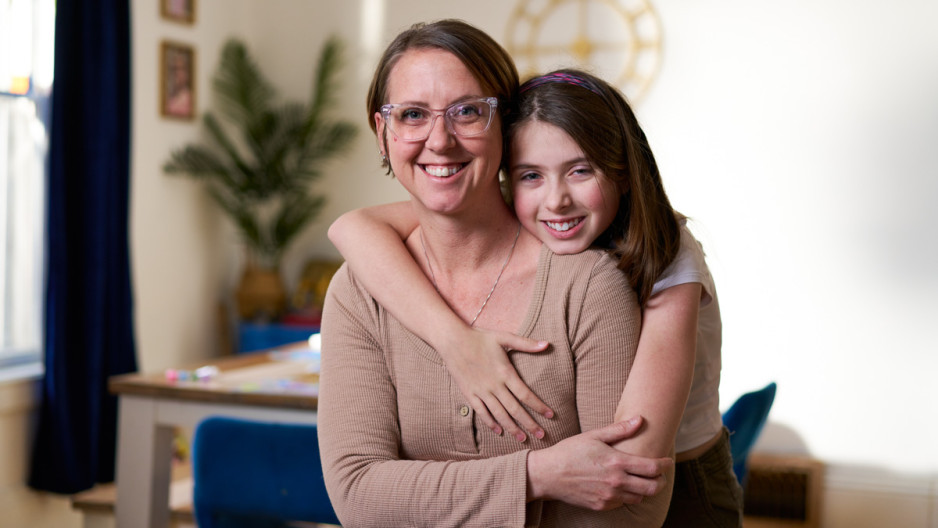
x: 443, y: 171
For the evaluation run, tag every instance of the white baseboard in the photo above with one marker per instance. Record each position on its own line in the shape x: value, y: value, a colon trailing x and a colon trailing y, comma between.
x: 863, y: 497
x: 875, y: 480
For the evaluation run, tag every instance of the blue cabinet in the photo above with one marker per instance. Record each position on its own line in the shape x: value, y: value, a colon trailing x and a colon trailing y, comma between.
x: 258, y: 336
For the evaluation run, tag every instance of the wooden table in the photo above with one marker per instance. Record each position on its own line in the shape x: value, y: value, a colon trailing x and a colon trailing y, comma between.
x: 279, y: 385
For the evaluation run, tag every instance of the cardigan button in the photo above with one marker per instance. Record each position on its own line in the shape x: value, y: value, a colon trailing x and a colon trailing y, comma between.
x: 464, y: 410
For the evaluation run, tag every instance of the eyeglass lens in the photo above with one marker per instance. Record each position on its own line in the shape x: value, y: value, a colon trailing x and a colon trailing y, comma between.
x: 466, y: 119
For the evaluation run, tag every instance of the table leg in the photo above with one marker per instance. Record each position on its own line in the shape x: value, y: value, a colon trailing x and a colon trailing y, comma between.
x: 144, y: 458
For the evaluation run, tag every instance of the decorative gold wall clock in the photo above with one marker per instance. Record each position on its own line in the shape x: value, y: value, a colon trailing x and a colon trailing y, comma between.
x: 618, y: 40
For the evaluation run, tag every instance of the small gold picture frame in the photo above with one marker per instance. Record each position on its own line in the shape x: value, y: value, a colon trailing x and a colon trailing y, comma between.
x: 177, y: 80
x: 181, y: 11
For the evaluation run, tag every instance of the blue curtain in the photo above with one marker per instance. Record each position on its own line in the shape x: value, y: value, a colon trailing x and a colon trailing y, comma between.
x: 88, y: 320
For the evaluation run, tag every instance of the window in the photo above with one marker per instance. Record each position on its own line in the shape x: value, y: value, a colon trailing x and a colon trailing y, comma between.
x: 26, y: 59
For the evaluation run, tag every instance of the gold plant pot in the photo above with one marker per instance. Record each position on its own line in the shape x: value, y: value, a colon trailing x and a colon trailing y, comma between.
x: 261, y: 294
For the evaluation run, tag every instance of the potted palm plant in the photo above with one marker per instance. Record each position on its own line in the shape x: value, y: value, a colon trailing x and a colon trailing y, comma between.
x: 260, y: 164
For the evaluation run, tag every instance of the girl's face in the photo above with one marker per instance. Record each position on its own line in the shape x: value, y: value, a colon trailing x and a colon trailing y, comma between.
x: 558, y: 195
x: 444, y: 173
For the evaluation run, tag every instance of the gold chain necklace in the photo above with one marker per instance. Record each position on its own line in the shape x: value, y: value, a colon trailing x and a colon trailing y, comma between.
x: 487, y: 297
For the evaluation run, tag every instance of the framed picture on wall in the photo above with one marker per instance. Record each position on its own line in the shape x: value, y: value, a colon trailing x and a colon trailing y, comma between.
x: 177, y: 80
x: 182, y: 11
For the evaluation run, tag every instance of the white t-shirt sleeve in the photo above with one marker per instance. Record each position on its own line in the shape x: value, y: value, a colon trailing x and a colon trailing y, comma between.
x: 690, y: 265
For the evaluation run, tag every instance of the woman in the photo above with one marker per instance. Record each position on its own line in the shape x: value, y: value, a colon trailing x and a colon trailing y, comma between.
x: 400, y: 444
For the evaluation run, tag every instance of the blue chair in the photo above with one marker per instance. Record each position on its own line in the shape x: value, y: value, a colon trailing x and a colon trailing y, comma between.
x: 745, y: 420
x: 257, y: 474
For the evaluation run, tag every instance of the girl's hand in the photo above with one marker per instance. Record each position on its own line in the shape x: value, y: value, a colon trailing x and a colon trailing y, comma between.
x: 586, y: 471
x: 478, y: 362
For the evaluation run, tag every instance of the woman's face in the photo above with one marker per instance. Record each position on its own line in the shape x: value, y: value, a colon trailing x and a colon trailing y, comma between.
x: 444, y: 172
x: 558, y: 195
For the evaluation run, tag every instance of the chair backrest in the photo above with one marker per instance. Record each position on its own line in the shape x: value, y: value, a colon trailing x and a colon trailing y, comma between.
x: 745, y: 420
x: 252, y: 473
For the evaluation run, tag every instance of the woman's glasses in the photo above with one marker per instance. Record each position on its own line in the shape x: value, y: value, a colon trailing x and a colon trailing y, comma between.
x: 464, y: 119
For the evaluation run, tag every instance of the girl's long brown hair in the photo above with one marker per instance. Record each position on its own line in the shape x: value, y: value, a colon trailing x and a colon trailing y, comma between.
x: 645, y: 235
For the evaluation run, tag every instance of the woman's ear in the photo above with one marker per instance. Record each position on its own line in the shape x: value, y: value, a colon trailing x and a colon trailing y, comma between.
x: 381, y: 134
x: 380, y: 131
x: 379, y: 125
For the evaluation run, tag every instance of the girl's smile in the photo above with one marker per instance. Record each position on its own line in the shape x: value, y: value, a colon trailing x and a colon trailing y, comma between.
x: 558, y: 194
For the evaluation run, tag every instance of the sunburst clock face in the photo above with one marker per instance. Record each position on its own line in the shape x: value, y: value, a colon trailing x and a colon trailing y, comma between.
x: 618, y: 40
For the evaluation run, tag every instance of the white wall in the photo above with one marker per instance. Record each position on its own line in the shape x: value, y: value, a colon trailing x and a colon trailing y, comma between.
x: 179, y: 244
x: 798, y: 135
x: 801, y: 137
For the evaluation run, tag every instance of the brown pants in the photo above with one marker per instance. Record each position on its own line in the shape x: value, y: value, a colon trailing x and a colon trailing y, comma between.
x: 706, y: 493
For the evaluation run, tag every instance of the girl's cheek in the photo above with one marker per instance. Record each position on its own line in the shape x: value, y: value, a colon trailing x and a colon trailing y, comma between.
x: 526, y: 209
x: 521, y: 201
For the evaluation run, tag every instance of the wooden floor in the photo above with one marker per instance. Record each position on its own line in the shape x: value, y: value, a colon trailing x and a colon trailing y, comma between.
x: 97, y: 504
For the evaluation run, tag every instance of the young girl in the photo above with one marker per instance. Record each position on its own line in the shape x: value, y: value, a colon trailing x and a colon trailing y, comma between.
x: 581, y: 173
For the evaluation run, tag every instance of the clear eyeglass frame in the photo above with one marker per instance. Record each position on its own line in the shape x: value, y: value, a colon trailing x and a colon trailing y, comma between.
x: 422, y: 132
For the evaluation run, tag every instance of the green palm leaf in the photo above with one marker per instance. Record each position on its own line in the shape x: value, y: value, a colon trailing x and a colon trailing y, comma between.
x: 260, y: 163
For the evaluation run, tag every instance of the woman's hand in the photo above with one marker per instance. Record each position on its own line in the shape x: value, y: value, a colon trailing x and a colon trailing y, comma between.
x: 586, y: 471
x: 478, y: 362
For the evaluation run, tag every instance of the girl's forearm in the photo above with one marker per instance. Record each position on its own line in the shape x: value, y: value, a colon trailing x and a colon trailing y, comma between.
x: 660, y: 379
x: 376, y: 234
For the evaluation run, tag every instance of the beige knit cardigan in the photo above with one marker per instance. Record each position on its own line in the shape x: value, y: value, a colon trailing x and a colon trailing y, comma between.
x: 400, y: 445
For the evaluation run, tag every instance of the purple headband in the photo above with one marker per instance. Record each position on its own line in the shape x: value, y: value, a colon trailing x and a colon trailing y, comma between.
x: 558, y: 77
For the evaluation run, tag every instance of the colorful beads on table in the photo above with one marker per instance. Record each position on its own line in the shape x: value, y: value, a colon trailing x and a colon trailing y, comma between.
x: 205, y: 373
